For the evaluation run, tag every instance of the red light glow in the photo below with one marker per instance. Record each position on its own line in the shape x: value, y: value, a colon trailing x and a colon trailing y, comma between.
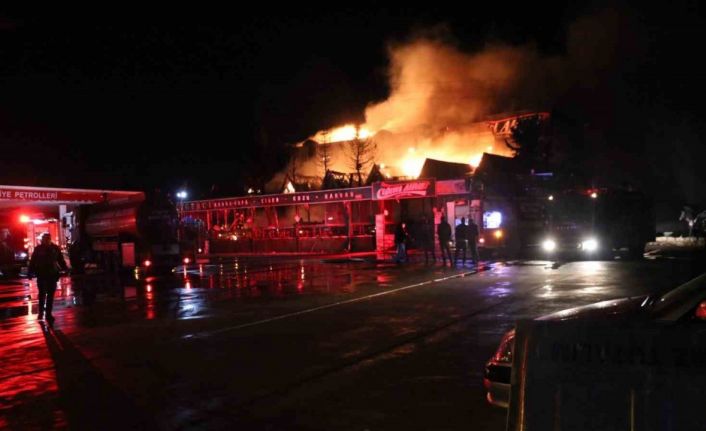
x: 147, y: 263
x: 701, y: 311
x: 187, y: 260
x: 24, y: 218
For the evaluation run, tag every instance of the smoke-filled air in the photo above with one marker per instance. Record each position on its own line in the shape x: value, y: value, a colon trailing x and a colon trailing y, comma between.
x: 440, y: 102
x: 443, y: 101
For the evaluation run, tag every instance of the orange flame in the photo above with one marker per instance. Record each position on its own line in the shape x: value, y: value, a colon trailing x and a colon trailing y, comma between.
x: 342, y: 134
x: 436, y: 109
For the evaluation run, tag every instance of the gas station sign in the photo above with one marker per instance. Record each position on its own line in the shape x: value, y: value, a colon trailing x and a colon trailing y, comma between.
x: 54, y: 195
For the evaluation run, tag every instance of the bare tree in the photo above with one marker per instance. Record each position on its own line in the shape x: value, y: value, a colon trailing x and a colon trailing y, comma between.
x: 292, y: 171
x: 323, y: 154
x: 361, y: 155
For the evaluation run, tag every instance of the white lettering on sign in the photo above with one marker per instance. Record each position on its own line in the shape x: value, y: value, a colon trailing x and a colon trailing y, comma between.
x: 28, y: 195
x: 389, y: 191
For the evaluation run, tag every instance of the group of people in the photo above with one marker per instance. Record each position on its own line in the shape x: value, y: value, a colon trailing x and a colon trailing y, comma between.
x: 466, y: 238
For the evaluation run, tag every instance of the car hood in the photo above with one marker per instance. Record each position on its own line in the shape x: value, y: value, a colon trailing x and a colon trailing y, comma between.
x: 614, y: 308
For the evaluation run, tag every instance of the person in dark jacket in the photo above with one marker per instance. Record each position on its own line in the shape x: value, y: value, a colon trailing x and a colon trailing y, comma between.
x: 461, y: 241
x: 427, y: 240
x: 443, y: 231
x: 401, y: 242
x: 46, y: 263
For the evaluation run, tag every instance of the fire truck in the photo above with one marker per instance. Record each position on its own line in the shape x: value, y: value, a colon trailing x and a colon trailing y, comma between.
x: 126, y: 234
x: 598, y: 223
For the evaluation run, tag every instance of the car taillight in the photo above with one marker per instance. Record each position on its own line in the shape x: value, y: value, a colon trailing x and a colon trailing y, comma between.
x: 701, y: 311
x: 506, y: 348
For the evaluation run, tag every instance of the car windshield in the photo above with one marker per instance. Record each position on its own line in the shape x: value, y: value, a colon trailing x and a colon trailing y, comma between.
x: 677, y: 302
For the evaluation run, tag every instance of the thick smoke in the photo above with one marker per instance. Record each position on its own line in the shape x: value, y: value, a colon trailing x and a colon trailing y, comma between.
x: 441, y: 97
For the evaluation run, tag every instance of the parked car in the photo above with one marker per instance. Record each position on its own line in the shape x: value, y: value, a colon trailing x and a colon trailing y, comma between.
x: 11, y: 265
x: 686, y: 302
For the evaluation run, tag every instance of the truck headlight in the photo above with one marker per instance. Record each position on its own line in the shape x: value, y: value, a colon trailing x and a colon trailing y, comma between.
x: 548, y: 245
x: 589, y: 245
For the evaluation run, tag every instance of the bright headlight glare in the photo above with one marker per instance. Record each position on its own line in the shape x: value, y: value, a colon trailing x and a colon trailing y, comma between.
x: 548, y: 245
x: 590, y: 244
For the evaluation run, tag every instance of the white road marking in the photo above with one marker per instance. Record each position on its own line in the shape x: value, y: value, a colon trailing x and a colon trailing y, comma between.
x: 323, y: 307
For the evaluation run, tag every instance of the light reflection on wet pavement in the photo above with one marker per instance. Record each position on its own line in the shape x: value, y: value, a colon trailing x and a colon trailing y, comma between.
x: 28, y: 381
x: 124, y: 338
x: 188, y: 292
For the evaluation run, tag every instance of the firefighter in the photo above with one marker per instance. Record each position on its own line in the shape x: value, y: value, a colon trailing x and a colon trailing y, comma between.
x: 46, y: 264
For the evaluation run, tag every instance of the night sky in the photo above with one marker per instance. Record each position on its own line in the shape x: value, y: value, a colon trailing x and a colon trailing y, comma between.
x: 209, y: 99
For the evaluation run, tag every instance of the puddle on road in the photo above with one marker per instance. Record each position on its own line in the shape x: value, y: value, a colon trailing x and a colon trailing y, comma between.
x: 191, y: 291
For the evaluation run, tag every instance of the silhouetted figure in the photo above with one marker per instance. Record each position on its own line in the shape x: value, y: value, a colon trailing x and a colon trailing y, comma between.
x: 7, y: 254
x: 401, y: 242
x: 46, y: 263
x: 443, y: 231
x: 687, y: 215
x: 461, y: 241
x: 473, y: 235
x: 427, y: 240
x: 76, y: 253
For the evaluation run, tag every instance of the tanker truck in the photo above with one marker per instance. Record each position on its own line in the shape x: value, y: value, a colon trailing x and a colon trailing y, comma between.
x: 127, y: 234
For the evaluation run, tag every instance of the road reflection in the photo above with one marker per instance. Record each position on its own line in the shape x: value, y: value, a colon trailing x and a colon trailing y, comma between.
x: 186, y: 292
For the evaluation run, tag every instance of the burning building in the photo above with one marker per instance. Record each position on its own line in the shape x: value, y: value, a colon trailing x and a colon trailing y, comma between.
x: 345, y: 187
x: 352, y: 151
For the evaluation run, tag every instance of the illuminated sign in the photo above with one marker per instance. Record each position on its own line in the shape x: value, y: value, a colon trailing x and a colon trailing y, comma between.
x: 403, y: 189
x: 317, y: 197
x: 451, y: 187
x: 63, y: 195
x: 492, y: 219
x: 28, y: 195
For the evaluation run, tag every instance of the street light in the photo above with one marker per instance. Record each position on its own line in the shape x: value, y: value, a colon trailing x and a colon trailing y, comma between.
x: 182, y: 194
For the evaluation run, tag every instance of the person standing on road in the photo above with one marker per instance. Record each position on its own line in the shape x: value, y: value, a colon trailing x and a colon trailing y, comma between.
x: 473, y: 235
x: 443, y: 231
x: 427, y: 238
x: 461, y: 240
x: 46, y: 264
x: 401, y: 242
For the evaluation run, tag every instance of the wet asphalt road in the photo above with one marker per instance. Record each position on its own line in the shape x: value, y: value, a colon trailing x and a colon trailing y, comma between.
x: 285, y: 344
